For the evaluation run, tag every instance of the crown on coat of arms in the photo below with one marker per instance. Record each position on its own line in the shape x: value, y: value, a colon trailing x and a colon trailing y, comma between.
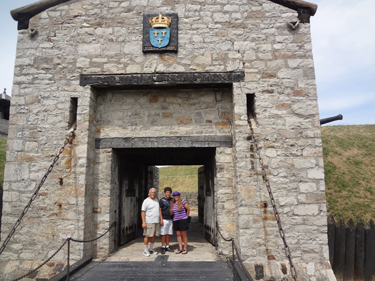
x: 160, y: 21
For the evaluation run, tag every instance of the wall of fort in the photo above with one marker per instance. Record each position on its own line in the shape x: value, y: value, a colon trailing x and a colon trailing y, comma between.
x: 105, y: 37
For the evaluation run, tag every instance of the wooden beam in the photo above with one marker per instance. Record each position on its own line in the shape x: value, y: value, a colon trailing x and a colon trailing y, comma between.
x: 161, y: 79
x: 297, y: 4
x: 166, y: 142
x: 24, y: 14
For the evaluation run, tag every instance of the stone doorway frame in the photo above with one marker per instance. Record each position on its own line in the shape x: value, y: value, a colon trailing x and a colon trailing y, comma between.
x: 102, y: 82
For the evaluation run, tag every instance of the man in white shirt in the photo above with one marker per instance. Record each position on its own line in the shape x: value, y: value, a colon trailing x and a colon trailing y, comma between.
x: 150, y: 222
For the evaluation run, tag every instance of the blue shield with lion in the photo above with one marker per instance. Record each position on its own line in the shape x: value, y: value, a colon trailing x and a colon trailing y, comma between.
x: 159, y: 37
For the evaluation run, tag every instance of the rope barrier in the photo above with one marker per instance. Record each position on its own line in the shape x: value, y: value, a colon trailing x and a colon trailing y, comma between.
x: 86, y: 241
x: 35, y: 269
x: 66, y: 241
x: 234, y: 250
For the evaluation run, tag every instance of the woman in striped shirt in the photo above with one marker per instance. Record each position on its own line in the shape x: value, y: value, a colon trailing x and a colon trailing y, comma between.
x: 180, y: 211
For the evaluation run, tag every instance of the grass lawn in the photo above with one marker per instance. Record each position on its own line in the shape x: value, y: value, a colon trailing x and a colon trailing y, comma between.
x: 179, y: 178
x: 349, y: 162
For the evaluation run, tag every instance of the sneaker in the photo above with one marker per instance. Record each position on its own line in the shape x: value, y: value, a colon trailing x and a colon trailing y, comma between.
x: 146, y: 253
x: 168, y: 249
x: 153, y: 252
x: 162, y: 251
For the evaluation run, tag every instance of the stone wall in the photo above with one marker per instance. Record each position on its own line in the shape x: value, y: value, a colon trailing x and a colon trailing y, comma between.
x: 190, y: 197
x: 4, y: 124
x: 166, y: 112
x: 105, y: 37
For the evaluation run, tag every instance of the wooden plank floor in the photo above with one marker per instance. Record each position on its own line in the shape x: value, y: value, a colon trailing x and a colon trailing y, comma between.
x: 160, y: 269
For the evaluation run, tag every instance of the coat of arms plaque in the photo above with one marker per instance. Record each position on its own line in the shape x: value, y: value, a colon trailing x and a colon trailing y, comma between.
x: 160, y: 32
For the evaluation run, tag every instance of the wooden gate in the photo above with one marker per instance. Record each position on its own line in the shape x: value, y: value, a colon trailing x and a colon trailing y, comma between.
x: 208, y: 201
x: 130, y: 183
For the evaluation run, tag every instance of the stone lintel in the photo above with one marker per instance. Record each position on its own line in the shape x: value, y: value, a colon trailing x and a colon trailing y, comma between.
x: 24, y: 14
x: 167, y: 142
x: 196, y: 78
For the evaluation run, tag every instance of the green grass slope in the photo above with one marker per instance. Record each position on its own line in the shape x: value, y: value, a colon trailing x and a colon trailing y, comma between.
x: 349, y: 162
x: 179, y: 178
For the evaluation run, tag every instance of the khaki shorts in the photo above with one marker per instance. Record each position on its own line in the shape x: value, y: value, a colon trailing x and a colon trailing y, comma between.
x: 151, y: 230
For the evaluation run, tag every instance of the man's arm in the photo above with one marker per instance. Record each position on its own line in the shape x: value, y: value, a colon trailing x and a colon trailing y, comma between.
x: 143, y: 215
x: 161, y: 217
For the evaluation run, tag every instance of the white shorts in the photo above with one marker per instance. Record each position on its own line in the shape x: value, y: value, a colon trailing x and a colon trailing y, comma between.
x: 166, y: 228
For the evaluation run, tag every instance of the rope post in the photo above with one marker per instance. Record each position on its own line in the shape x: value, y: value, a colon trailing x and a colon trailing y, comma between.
x: 68, y: 261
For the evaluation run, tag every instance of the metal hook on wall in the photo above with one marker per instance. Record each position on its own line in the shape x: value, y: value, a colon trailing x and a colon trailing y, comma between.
x: 293, y: 25
x: 32, y: 32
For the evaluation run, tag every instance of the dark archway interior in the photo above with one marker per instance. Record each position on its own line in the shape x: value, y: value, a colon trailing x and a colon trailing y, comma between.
x: 135, y: 178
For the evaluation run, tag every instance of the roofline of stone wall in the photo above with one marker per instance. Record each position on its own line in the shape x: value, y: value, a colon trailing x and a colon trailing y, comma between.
x: 304, y: 9
x: 24, y: 14
x: 297, y: 4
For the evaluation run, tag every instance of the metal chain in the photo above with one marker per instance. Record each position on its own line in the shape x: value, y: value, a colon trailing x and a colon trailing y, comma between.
x: 35, y: 269
x: 276, y: 213
x: 69, y: 140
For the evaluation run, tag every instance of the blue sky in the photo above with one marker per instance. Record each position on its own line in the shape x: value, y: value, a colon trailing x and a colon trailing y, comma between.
x: 343, y: 37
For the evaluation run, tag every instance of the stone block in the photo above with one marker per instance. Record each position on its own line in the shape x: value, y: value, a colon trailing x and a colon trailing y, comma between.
x: 305, y: 108
x: 223, y: 125
x: 290, y: 73
x: 307, y: 187
x: 11, y: 266
x: 304, y: 163
x: 83, y: 62
x: 316, y: 173
x: 15, y: 145
x: 103, y: 31
x: 313, y: 152
x: 16, y: 171
x: 230, y: 227
x: 184, y: 119
x: 286, y: 133
x: 306, y: 210
x: 204, y: 59
x: 88, y: 49
x: 76, y: 191
x: 287, y: 201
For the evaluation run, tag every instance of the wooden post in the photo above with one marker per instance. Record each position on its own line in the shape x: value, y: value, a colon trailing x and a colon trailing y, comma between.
x: 331, y: 237
x: 359, y: 266
x: 340, y: 238
x: 370, y: 251
x: 349, y: 251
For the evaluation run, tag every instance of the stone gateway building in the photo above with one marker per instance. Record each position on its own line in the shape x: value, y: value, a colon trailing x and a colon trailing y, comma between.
x: 137, y: 104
